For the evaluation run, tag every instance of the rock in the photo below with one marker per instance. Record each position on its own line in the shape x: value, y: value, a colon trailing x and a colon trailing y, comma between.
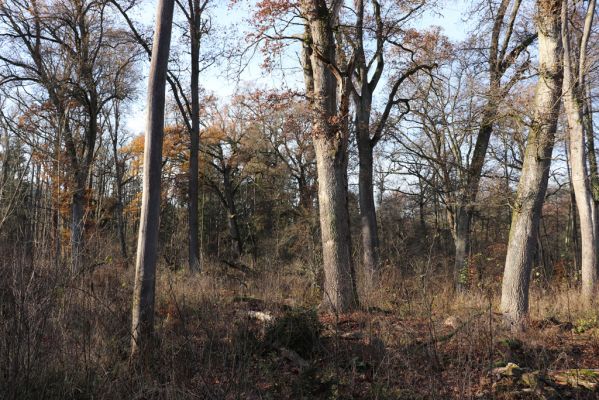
x: 355, y: 335
x: 294, y: 357
x: 557, y: 384
x: 532, y: 380
x: 510, y: 370
x: 576, y: 378
x: 260, y: 316
x: 452, y: 322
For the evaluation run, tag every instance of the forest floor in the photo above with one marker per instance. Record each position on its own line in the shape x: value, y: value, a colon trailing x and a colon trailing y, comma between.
x: 233, y: 336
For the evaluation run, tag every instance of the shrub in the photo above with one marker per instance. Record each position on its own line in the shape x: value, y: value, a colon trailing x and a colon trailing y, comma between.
x: 298, y: 330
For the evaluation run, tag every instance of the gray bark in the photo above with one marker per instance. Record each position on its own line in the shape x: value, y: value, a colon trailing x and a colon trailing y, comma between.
x: 142, y: 324
x: 535, y: 169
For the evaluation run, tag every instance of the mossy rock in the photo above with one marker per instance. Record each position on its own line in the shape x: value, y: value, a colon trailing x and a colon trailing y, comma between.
x: 585, y: 324
x: 510, y: 370
x: 576, y: 378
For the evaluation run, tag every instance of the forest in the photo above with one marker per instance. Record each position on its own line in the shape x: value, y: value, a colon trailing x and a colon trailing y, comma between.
x: 299, y: 199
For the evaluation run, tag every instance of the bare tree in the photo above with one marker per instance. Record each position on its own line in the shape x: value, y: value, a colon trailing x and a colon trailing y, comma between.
x: 328, y: 89
x: 142, y: 322
x: 505, y: 47
x: 68, y: 49
x: 186, y: 97
x: 535, y: 169
x: 573, y: 89
x: 369, y: 70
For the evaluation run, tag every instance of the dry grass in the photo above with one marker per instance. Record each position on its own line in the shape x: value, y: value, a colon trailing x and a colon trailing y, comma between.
x: 67, y: 337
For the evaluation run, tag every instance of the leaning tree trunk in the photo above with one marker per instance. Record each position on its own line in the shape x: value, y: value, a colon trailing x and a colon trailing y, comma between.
x: 142, y: 324
x: 464, y: 213
x: 535, y: 169
x: 580, y: 179
x: 330, y: 136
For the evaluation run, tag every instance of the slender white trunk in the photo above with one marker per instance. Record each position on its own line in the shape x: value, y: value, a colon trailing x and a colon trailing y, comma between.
x: 142, y: 323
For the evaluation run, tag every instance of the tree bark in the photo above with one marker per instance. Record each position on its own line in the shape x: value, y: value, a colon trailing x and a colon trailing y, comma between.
x: 142, y: 324
x: 535, y: 170
x: 339, y: 285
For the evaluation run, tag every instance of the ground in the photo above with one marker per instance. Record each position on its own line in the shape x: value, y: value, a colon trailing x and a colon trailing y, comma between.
x: 226, y: 335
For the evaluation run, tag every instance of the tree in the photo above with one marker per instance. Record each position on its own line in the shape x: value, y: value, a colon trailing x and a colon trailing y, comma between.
x: 327, y: 86
x: 197, y: 28
x: 186, y: 98
x: 388, y: 32
x: 228, y: 157
x: 72, y: 52
x: 573, y: 91
x: 284, y: 121
x: 535, y: 169
x: 505, y: 48
x: 114, y: 130
x: 142, y: 322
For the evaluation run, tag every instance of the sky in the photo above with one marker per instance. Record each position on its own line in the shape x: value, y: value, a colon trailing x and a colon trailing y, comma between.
x: 449, y: 16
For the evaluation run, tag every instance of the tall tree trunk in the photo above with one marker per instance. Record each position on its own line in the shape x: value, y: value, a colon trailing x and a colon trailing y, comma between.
x: 463, y: 217
x: 580, y: 183
x: 591, y: 152
x: 592, y: 156
x: 118, y: 167
x: 500, y: 59
x: 339, y: 286
x: 368, y: 223
x: 192, y: 206
x: 461, y: 240
x: 330, y: 144
x: 232, y: 218
x: 142, y: 323
x: 571, y: 239
x: 363, y: 106
x: 535, y: 169
x: 77, y: 228
x: 306, y: 200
